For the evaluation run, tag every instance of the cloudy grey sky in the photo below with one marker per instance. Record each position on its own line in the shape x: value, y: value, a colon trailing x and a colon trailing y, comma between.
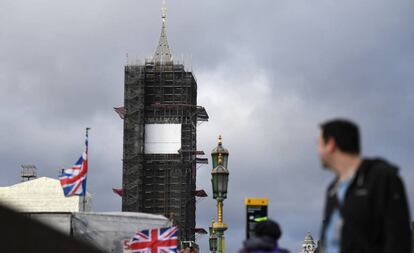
x: 268, y: 73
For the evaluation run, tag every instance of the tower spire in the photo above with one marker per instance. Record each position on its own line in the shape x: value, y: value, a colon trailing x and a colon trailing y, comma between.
x: 162, y: 53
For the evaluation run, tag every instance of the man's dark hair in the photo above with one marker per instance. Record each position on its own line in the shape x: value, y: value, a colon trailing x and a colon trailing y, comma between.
x: 268, y: 228
x: 344, y: 132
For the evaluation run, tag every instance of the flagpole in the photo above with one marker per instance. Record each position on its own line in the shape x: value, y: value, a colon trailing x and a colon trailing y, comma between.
x: 87, y: 158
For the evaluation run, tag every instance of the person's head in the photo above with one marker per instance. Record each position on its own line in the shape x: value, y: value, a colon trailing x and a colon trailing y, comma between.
x: 268, y: 228
x: 338, y: 136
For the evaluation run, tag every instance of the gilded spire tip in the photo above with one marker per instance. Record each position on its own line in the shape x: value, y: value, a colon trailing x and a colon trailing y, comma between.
x: 164, y: 10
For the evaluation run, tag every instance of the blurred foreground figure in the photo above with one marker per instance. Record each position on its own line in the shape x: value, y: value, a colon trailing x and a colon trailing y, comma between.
x: 265, y: 239
x: 366, y: 206
x: 23, y: 235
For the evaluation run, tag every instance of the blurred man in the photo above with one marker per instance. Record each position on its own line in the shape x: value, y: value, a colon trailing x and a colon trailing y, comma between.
x: 366, y: 207
x: 412, y: 234
x: 265, y: 239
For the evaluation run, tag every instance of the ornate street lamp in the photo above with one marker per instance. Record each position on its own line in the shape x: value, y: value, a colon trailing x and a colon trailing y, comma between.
x: 212, y: 240
x: 220, y: 150
x: 219, y: 181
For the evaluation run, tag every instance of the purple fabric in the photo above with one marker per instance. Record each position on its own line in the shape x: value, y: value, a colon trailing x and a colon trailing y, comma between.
x: 275, y: 250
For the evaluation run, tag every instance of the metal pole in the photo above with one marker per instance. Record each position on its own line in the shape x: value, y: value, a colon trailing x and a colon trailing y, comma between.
x: 220, y: 231
x: 87, y: 159
x: 84, y: 202
x: 220, y: 240
x: 220, y: 211
x: 219, y: 227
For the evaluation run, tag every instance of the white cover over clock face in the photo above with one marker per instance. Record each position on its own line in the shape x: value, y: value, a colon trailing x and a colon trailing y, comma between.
x: 162, y: 138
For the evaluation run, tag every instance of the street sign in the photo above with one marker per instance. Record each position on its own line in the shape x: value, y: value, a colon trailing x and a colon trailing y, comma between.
x: 256, y: 211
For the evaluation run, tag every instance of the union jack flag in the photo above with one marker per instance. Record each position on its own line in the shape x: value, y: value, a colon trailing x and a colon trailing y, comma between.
x: 157, y: 240
x: 73, y: 180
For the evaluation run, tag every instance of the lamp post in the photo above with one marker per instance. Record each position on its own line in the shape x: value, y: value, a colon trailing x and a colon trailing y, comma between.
x: 219, y: 181
x: 212, y: 240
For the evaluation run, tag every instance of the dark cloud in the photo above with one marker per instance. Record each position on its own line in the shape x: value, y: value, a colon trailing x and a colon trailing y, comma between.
x: 268, y: 73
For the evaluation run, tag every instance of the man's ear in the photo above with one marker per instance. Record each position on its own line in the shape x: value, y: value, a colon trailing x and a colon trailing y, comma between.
x: 331, y: 145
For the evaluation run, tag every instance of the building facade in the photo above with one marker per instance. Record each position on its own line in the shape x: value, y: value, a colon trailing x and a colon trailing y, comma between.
x: 42, y: 195
x: 160, y: 138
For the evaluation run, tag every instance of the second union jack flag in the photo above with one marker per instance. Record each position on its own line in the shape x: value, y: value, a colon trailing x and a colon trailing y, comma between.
x: 73, y: 180
x: 157, y: 240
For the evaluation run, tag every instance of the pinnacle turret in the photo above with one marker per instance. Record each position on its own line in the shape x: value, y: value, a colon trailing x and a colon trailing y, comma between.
x: 162, y: 53
x: 308, y: 245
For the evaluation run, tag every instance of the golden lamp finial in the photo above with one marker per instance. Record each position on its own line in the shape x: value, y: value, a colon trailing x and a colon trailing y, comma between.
x: 219, y: 140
